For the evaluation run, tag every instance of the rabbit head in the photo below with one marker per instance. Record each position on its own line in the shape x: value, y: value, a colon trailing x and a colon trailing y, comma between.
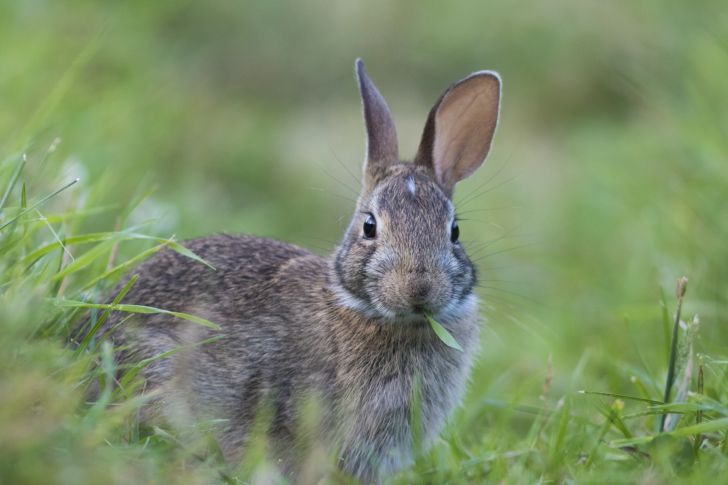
x: 401, y: 256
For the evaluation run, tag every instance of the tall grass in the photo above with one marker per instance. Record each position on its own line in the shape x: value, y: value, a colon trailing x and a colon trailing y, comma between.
x: 51, y: 271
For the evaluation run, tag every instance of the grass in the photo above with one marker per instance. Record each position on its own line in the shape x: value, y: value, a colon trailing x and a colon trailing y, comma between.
x: 442, y: 333
x: 628, y: 437
x: 52, y: 275
x: 47, y: 290
x: 606, y: 184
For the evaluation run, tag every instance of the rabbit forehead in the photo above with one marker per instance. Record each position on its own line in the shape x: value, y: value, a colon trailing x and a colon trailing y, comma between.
x: 407, y: 194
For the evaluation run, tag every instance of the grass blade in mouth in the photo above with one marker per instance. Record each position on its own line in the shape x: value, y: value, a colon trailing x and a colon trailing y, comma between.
x: 442, y: 333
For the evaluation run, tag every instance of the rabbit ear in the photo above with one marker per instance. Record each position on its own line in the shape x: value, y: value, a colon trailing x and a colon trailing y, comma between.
x: 460, y: 128
x: 382, y: 147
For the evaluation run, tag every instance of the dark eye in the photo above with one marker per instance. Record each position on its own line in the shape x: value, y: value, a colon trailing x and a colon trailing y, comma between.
x: 370, y: 227
x: 454, y: 232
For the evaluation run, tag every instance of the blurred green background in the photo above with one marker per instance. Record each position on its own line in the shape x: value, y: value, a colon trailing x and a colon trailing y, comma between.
x: 608, y: 179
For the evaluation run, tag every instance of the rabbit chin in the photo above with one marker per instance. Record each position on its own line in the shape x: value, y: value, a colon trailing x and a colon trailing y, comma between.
x: 454, y: 309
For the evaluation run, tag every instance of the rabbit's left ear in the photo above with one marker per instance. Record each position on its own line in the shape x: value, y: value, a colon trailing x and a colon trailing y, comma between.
x: 460, y: 128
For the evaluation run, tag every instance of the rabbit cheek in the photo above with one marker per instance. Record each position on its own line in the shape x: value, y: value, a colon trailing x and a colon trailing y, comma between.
x: 350, y: 265
x: 464, y: 275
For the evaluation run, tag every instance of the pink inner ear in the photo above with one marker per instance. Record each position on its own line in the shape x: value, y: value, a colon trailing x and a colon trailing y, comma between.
x: 464, y: 127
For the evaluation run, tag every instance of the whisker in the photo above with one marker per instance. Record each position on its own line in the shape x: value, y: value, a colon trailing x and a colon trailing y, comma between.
x: 488, y: 209
x: 333, y: 154
x: 512, y: 293
x: 336, y: 179
x: 496, y: 301
x: 487, y: 181
x: 475, y: 245
x: 494, y: 268
x: 502, y: 281
x: 480, y: 194
x: 514, y: 248
x: 340, y: 196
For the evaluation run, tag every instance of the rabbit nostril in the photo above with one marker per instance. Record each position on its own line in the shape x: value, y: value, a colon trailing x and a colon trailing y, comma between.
x: 420, y: 293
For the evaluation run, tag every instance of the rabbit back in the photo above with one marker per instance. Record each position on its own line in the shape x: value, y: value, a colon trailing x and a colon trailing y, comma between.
x: 259, y: 294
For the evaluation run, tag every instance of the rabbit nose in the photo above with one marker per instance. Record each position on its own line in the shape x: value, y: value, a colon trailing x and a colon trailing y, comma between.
x: 420, y: 291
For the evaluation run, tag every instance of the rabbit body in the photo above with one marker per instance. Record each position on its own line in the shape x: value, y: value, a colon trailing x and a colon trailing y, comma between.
x: 285, y: 336
x: 348, y: 329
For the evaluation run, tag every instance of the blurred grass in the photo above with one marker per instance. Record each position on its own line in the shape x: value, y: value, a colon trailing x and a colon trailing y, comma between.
x: 606, y: 183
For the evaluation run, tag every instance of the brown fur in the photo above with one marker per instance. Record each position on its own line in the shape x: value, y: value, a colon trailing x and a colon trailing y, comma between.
x: 348, y: 329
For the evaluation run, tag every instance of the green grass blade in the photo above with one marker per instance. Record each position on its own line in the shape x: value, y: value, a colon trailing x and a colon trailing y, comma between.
x: 681, y: 408
x: 638, y: 440
x: 80, y: 213
x: 443, y: 334
x: 704, y: 427
x: 33, y: 256
x: 175, y: 246
x: 105, y: 315
x: 559, y: 437
x: 141, y: 309
x: 125, y: 265
x: 39, y: 203
x: 619, y: 396
x: 84, y: 260
x: 134, y: 370
x: 13, y: 180
x: 600, y: 436
x: 665, y: 314
x: 126, y: 234
x: 186, y: 252
x: 681, y: 285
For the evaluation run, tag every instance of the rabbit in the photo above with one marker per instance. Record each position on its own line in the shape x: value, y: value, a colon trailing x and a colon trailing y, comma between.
x: 349, y: 328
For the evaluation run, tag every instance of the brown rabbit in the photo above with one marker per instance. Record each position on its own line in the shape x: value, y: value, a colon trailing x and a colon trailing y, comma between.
x: 349, y: 328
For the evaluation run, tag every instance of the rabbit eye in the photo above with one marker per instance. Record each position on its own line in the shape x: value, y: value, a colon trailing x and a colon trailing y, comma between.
x: 454, y: 232
x: 370, y: 227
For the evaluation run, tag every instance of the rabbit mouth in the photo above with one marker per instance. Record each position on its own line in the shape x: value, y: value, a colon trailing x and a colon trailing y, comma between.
x: 408, y: 293
x: 445, y: 305
x: 375, y: 308
x: 400, y: 301
x: 396, y: 307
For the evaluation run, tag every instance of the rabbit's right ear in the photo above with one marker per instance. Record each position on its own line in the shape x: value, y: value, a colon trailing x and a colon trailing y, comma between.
x: 460, y: 129
x: 382, y: 148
